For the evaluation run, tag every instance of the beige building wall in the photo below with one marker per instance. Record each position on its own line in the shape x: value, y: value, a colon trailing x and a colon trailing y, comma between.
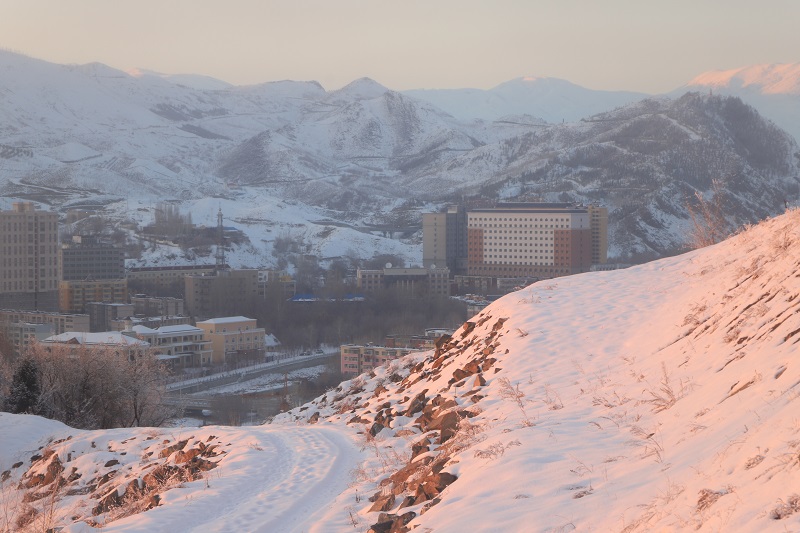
x: 598, y: 221
x: 29, y: 269
x: 74, y: 295
x: 434, y: 239
x: 232, y: 336
x: 357, y: 359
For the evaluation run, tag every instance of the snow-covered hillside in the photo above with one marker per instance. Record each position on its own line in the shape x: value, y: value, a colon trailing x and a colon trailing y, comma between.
x: 291, y: 160
x: 773, y: 89
x: 657, y: 398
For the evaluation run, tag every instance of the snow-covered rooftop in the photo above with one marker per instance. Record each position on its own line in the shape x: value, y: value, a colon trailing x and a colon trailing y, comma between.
x: 110, y: 338
x: 225, y: 320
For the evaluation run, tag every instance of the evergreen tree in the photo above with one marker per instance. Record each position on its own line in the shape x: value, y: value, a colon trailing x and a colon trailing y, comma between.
x: 25, y: 389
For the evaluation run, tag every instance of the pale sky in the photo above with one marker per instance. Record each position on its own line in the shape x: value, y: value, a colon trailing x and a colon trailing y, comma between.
x: 639, y: 45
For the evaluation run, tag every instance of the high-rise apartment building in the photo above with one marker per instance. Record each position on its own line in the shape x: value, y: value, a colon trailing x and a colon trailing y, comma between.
x: 29, y: 270
x: 444, y: 239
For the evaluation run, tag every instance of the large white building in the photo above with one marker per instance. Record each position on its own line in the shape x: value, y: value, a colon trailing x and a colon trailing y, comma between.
x: 533, y: 239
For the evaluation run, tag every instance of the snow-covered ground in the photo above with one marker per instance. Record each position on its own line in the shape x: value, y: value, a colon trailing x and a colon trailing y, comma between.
x: 657, y: 398
x: 271, y: 478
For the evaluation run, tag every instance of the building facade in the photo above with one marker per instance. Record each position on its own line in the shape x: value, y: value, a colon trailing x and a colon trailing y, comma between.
x: 29, y: 270
x: 102, y: 315
x: 516, y: 240
x: 157, y: 306
x: 413, y: 282
x: 357, y: 359
x: 444, y: 239
x: 111, y: 343
x: 234, y: 339
x: 530, y: 240
x: 74, y: 295
x: 86, y: 258
x: 182, y: 345
x: 226, y: 292
x: 166, y: 278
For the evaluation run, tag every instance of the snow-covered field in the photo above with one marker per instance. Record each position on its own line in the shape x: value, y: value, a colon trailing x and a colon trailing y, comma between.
x: 657, y: 398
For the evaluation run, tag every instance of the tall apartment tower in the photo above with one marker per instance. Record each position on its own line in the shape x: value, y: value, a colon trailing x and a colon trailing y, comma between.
x: 444, y: 239
x: 598, y: 222
x: 29, y: 270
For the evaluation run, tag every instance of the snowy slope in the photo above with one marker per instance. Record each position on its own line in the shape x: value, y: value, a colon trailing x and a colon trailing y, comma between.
x: 658, y: 398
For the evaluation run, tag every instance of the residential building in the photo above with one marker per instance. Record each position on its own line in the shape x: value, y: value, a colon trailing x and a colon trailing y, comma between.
x: 102, y: 314
x: 357, y: 359
x: 169, y: 278
x: 61, y: 322
x: 114, y: 342
x: 444, y: 239
x: 152, y: 322
x: 144, y: 305
x: 29, y: 271
x: 181, y: 345
x: 87, y: 258
x: 74, y: 295
x: 414, y: 282
x: 23, y: 335
x: 225, y: 292
x: 422, y: 342
x: 234, y: 339
x: 269, y: 279
x: 598, y: 223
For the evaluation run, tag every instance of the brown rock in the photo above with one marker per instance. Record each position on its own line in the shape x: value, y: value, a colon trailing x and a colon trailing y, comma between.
x: 459, y: 374
x: 417, y: 404
x: 420, y: 447
x: 384, y: 503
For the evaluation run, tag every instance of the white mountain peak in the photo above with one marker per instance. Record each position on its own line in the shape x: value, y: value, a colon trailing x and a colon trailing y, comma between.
x: 780, y: 78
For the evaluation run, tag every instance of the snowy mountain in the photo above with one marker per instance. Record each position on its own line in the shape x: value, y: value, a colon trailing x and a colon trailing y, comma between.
x: 772, y: 89
x: 551, y: 99
x: 665, y: 401
x: 290, y: 160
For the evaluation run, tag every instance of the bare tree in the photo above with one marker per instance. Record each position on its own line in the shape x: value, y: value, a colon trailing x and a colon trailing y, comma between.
x: 101, y: 387
x: 709, y: 225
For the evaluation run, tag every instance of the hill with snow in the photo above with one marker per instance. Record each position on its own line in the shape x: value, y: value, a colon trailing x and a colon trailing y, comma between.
x: 773, y: 89
x: 655, y: 398
x: 346, y: 173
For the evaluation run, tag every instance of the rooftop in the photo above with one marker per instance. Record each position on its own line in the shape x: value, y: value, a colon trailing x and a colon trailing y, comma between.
x: 103, y: 338
x: 226, y: 320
